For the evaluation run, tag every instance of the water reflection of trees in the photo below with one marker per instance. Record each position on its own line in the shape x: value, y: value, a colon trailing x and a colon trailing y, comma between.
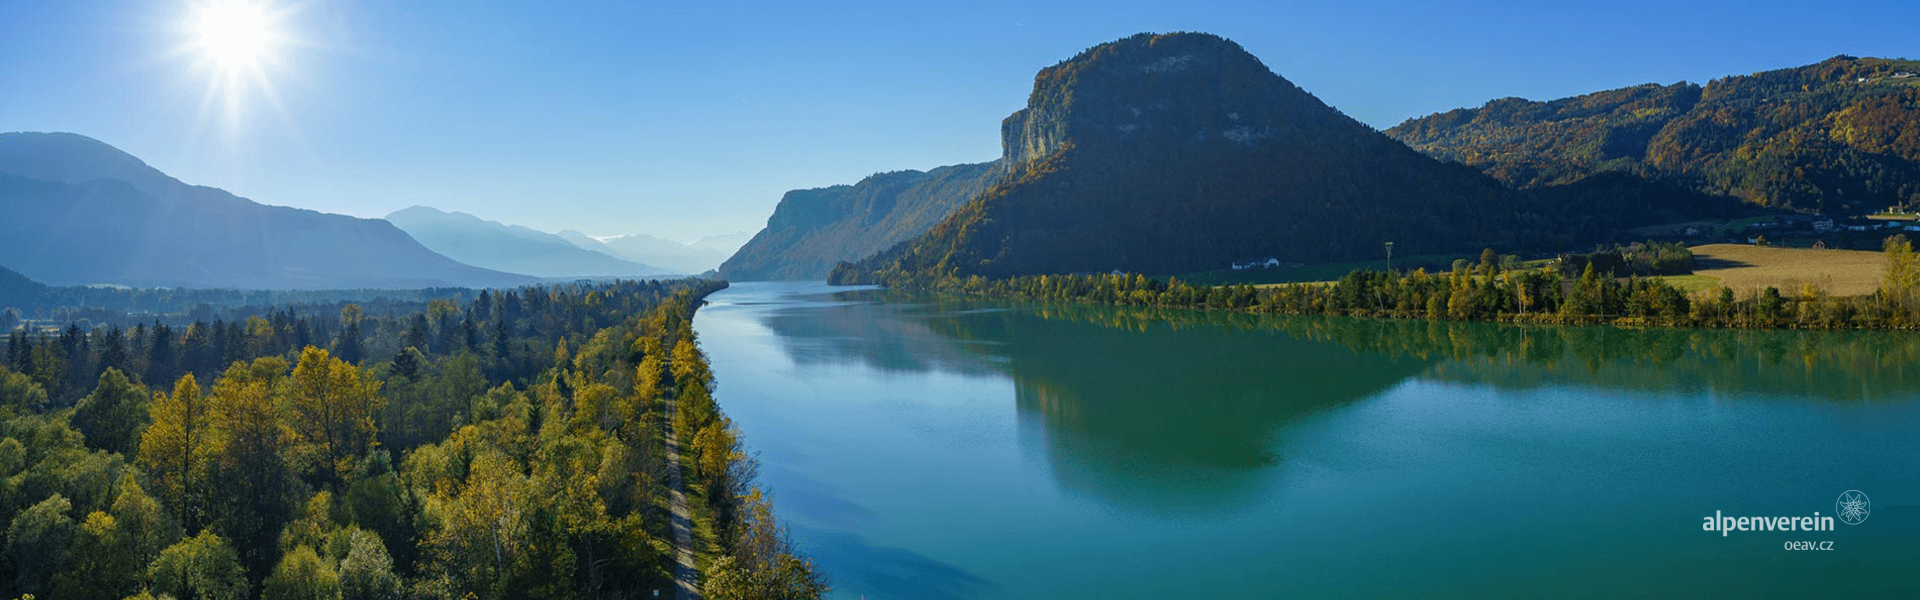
x: 1167, y: 415
x: 1828, y: 365
x: 1172, y: 409
x: 888, y: 336
x: 1163, y: 414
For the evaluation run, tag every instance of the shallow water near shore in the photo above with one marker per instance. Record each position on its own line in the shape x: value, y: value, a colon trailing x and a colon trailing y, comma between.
x: 927, y: 447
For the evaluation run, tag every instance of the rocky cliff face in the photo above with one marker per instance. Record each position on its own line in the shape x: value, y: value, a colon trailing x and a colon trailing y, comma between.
x: 1146, y: 91
x: 1158, y: 89
x: 1182, y: 152
x: 812, y: 230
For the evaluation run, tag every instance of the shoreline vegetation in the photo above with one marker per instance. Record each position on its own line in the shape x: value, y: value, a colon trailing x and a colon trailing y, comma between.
x: 511, y: 446
x: 1834, y: 365
x: 1622, y: 286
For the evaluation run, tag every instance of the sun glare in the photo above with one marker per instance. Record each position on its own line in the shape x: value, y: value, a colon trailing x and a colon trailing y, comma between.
x: 238, y: 50
x: 234, y: 33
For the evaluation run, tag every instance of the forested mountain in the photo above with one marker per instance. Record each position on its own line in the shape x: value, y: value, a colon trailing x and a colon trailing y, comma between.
x: 1176, y: 153
x: 1840, y: 136
x: 17, y: 290
x: 672, y: 256
x: 811, y: 230
x: 76, y: 211
x: 511, y: 248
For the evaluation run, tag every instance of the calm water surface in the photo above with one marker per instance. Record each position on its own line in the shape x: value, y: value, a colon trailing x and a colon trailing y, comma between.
x: 923, y: 447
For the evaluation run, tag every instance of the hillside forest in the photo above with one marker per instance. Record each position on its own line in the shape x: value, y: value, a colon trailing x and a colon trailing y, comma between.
x: 1841, y: 136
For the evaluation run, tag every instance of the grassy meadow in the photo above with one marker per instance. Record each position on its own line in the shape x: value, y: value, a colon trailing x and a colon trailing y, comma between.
x: 1744, y: 267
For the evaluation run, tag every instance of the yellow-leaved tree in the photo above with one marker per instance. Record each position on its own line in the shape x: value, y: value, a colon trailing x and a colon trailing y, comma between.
x: 244, y: 411
x: 331, y: 407
x: 248, y: 456
x: 690, y: 364
x: 483, y: 535
x: 1902, y: 279
x: 175, y: 447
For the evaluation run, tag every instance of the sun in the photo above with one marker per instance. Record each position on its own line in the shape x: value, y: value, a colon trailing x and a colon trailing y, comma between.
x: 234, y: 34
x: 237, y: 53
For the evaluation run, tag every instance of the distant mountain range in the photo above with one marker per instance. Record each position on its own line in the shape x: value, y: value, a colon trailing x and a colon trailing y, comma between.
x: 1162, y: 154
x: 1840, y: 136
x: 674, y: 257
x: 1167, y: 154
x: 811, y: 230
x: 725, y: 243
x: 75, y: 211
x: 512, y: 248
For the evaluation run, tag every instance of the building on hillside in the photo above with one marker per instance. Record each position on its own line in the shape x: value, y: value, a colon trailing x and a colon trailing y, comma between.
x: 1259, y: 263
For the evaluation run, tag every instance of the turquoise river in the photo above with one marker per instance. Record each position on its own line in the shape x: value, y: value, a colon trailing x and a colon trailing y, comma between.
x: 928, y: 447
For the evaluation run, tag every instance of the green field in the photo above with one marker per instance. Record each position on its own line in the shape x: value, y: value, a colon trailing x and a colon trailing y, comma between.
x: 1735, y: 227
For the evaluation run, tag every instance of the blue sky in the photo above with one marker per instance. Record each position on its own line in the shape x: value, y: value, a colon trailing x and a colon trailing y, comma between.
x: 682, y: 119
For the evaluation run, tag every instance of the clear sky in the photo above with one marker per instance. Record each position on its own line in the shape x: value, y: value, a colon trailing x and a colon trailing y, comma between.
x: 682, y: 119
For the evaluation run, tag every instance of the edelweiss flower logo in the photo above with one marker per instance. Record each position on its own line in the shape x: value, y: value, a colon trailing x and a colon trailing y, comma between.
x: 1853, y: 507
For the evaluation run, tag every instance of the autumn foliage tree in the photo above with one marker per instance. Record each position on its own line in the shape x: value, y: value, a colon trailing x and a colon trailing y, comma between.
x: 247, y: 456
x: 535, y: 473
x: 332, y: 405
x: 177, y: 445
x: 1902, y: 280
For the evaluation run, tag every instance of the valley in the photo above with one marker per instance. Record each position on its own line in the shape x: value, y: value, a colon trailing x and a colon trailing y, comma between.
x: 1194, y: 330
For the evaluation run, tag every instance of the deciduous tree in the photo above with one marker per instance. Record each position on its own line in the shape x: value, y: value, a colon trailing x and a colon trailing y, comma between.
x: 105, y: 565
x: 112, y: 415
x: 19, y: 391
x: 38, y: 543
x: 176, y: 446
x: 147, y: 527
x: 203, y: 567
x: 301, y: 575
x: 366, y: 572
x: 247, y: 457
x: 331, y: 408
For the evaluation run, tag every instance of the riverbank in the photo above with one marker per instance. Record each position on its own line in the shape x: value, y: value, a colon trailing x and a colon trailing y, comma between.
x: 724, y: 530
x: 1482, y: 292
